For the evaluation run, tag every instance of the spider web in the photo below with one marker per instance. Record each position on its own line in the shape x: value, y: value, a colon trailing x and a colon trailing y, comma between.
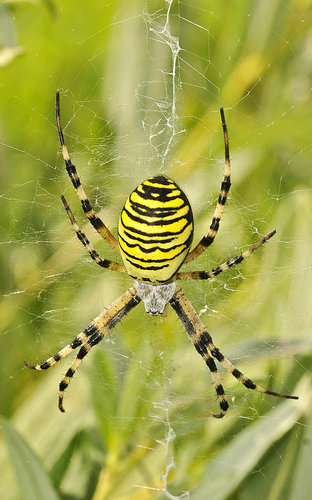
x: 143, y: 98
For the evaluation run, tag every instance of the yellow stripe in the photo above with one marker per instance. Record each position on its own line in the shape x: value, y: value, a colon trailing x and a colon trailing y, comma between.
x: 180, y: 213
x: 146, y: 228
x: 136, y: 253
x: 155, y: 203
x: 161, y: 186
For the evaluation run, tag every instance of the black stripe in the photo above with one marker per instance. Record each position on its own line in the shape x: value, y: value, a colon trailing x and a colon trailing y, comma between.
x: 90, y: 329
x: 76, y: 343
x: 104, y: 263
x: 236, y: 373
x: 219, y: 390
x: 235, y: 261
x: 148, y: 268
x: 182, y: 197
x: 159, y: 194
x: 224, y: 405
x: 95, y: 339
x: 211, y: 365
x: 82, y: 237
x: 200, y: 348
x: 222, y: 200
x: 152, y: 260
x: 156, y: 189
x: 76, y: 182
x: 94, y: 255
x: 186, y: 322
x: 206, y: 338
x: 148, y: 240
x: 163, y: 234
x: 160, y: 179
x: 153, y: 249
x: 45, y: 365
x: 155, y: 212
x: 82, y: 353
x: 249, y: 384
x: 71, y: 169
x: 217, y: 354
x: 206, y: 241
x: 124, y: 311
x: 215, y: 224
x: 161, y: 222
x: 86, y: 205
x: 95, y: 221
x: 216, y: 271
x: 226, y: 184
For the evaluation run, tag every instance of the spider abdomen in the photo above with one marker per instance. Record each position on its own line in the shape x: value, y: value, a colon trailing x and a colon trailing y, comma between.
x: 155, y: 230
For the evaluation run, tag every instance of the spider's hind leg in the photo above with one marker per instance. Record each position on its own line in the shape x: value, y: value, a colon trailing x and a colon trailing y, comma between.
x: 206, y: 348
x: 224, y: 405
x: 92, y: 335
x: 78, y: 340
x: 242, y: 378
x: 201, y: 339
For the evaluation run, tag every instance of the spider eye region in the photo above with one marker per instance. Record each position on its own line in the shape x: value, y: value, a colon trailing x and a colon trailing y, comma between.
x: 155, y: 230
x: 155, y: 297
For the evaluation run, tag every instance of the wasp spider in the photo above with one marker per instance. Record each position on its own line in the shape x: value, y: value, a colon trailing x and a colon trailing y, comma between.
x: 154, y: 237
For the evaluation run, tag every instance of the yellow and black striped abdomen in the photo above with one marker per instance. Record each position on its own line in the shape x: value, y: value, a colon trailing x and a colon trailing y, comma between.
x: 155, y: 230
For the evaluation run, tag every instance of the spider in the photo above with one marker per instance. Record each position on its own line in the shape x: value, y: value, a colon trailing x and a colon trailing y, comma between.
x: 155, y: 234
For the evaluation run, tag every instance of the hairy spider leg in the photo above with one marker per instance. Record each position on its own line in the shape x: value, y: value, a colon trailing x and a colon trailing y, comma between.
x: 205, y: 347
x: 205, y: 275
x: 92, y: 335
x: 115, y: 266
x: 207, y: 240
x: 96, y: 222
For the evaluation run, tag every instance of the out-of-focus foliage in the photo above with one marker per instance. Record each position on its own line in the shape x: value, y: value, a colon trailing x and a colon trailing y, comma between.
x: 136, y: 421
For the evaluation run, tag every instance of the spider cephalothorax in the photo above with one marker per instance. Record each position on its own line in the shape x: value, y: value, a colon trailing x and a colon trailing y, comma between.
x: 154, y: 296
x: 154, y: 237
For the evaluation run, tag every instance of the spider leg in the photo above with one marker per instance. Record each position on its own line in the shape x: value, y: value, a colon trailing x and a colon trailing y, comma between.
x: 207, y: 240
x: 92, y: 335
x: 96, y: 222
x: 86, y: 243
x: 195, y: 329
x: 205, y: 275
x: 206, y: 348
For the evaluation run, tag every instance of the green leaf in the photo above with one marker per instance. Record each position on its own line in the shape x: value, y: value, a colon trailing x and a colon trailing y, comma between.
x: 302, y: 477
x: 234, y: 463
x: 33, y: 480
x: 9, y: 49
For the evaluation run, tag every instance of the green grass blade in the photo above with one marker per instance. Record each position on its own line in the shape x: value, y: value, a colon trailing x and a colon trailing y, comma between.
x: 34, y: 482
x: 234, y: 463
x: 302, y: 478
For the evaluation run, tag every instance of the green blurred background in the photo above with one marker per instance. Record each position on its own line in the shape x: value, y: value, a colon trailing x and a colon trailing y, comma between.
x: 141, y: 84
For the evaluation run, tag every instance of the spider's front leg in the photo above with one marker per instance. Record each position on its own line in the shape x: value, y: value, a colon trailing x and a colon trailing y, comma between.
x: 108, y: 264
x: 92, y: 335
x: 207, y: 240
x: 95, y: 220
x: 205, y: 275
